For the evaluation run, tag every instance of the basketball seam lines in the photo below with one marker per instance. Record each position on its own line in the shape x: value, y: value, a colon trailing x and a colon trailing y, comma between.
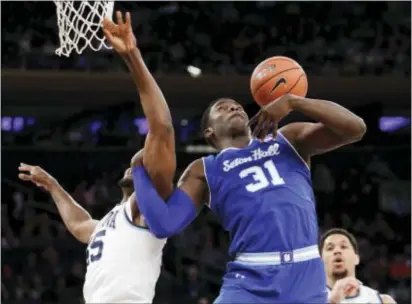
x: 275, y: 76
x: 295, y: 83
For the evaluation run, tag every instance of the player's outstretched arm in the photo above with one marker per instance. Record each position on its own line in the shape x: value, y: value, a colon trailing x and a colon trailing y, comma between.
x: 77, y: 220
x: 166, y: 218
x: 159, y: 143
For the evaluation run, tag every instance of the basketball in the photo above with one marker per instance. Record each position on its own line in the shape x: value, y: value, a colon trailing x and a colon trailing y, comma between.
x: 275, y: 77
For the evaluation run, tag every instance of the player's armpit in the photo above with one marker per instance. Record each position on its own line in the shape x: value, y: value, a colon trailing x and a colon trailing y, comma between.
x: 313, y: 138
x: 193, y: 183
x: 387, y: 299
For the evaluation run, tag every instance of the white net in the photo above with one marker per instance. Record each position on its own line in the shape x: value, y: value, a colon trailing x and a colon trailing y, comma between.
x: 80, y: 23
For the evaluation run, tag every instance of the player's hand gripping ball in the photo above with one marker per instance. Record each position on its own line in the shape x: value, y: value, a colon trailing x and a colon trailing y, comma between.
x: 275, y: 77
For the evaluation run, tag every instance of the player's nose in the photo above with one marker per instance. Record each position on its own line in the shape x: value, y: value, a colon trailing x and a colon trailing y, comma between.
x: 234, y: 107
x: 337, y: 251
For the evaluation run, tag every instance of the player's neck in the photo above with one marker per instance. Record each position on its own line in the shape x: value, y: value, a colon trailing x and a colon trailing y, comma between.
x: 126, y: 194
x: 331, y: 280
x: 235, y: 142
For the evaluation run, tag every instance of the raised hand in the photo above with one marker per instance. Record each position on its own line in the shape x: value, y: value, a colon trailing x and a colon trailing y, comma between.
x: 267, y: 119
x: 343, y: 288
x: 37, y: 176
x: 120, y: 35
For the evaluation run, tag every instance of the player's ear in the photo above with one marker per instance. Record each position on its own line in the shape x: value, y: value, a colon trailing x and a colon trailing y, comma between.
x: 357, y: 260
x: 207, y: 133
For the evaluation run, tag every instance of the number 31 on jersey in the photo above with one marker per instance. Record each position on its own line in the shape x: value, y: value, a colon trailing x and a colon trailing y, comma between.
x: 262, y: 176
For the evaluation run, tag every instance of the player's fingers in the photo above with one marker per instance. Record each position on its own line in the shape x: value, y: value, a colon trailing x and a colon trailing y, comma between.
x: 119, y: 18
x: 353, y: 282
x: 266, y: 130
x: 262, y: 129
x: 252, y: 121
x: 264, y: 124
x: 128, y: 20
x: 105, y: 23
x: 274, y: 129
x: 25, y: 167
x: 254, y: 124
x: 25, y: 177
x: 350, y: 287
x: 256, y: 131
x: 108, y: 35
x: 261, y: 124
x: 109, y: 24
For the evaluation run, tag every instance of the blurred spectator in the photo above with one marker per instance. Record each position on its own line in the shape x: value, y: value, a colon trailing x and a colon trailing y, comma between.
x: 230, y: 37
x: 43, y: 263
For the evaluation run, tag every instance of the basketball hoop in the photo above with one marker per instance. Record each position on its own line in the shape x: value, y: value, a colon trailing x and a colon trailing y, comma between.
x: 79, y: 24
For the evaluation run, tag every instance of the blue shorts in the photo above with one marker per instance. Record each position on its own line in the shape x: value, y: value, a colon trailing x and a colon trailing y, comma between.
x: 296, y: 282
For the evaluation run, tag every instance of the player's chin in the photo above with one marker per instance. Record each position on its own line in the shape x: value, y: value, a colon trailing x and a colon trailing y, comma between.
x: 126, y: 183
x: 237, y: 123
x: 339, y: 273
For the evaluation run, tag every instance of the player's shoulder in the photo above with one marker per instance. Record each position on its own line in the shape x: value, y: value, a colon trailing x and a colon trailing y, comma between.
x: 374, y: 295
x: 387, y: 299
x: 197, y: 164
x: 196, y: 168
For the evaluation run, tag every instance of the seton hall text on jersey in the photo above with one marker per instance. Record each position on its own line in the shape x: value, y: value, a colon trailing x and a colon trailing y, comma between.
x: 256, y: 154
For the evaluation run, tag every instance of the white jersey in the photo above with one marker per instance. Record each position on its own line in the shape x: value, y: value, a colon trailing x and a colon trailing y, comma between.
x: 366, y: 295
x: 123, y: 260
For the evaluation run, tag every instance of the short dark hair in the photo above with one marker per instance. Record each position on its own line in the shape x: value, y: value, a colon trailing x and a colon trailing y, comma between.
x: 206, y: 114
x: 205, y: 118
x: 341, y: 231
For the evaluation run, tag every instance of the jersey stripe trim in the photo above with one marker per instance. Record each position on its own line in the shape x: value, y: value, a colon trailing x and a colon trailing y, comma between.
x: 379, y: 297
x: 296, y: 152
x: 207, y: 182
x: 278, y: 258
x: 132, y: 223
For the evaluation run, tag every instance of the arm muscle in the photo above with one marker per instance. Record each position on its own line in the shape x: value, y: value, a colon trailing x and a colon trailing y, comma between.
x: 193, y: 183
x: 77, y: 220
x: 159, y: 150
x: 313, y: 138
x: 336, y: 127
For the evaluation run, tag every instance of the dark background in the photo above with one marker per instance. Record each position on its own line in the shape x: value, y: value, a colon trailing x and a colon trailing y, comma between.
x: 80, y: 119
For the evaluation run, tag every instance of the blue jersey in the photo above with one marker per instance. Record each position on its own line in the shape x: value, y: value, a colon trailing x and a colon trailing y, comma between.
x: 263, y: 196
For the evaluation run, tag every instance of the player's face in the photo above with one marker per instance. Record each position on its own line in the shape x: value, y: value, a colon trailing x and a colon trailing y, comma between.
x: 127, y: 180
x: 339, y: 256
x: 227, y: 116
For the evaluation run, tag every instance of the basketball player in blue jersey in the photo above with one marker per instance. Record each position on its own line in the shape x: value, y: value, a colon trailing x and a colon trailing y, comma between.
x: 262, y: 193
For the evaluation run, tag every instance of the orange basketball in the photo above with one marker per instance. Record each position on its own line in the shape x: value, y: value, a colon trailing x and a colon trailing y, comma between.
x: 275, y: 77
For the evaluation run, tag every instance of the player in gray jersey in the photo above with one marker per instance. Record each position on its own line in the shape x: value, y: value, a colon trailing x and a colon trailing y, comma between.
x: 340, y: 255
